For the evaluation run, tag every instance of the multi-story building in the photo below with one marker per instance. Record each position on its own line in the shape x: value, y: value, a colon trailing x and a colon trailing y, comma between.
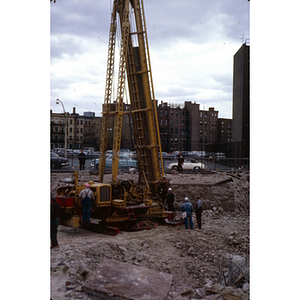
x: 83, y: 132
x: 186, y: 127
x: 224, y: 131
x: 241, y: 102
x: 182, y: 127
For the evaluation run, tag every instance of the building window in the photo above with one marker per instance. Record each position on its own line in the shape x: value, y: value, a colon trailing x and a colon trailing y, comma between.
x: 200, y: 114
x: 166, y: 112
x: 56, y: 121
x: 201, y: 123
x: 166, y: 122
x: 176, y: 121
x: 161, y: 112
x: 161, y: 121
x: 172, y: 122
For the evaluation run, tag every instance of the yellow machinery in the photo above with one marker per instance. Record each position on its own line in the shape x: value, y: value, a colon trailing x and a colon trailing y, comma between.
x: 135, y: 62
x: 125, y: 201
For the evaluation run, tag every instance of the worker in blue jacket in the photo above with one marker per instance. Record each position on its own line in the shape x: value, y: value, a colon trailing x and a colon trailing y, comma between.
x: 188, y: 208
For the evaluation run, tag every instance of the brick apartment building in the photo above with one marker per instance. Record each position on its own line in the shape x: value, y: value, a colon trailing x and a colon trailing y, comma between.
x: 182, y: 127
x: 83, y: 132
x: 186, y: 127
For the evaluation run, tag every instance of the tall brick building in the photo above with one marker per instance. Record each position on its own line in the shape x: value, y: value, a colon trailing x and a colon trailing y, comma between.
x: 186, y: 127
x: 241, y: 102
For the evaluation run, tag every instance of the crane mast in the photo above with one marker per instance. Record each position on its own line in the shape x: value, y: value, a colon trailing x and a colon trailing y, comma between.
x: 135, y: 62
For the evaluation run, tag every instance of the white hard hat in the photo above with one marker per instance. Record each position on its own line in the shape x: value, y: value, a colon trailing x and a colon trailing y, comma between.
x: 186, y: 199
x: 169, y: 189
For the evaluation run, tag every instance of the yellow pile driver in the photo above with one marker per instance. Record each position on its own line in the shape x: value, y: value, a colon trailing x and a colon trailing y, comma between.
x: 126, y: 201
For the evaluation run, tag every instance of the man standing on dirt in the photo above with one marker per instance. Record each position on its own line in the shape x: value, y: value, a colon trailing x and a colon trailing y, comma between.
x: 180, y: 161
x: 54, y: 221
x: 88, y: 198
x: 164, y: 185
x: 170, y: 200
x: 188, y: 208
x: 81, y: 158
x: 199, y: 211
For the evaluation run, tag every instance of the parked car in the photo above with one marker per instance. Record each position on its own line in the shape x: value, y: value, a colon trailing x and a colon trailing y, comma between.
x: 57, y: 162
x: 188, y: 155
x: 125, y: 162
x: 167, y: 156
x: 190, y: 165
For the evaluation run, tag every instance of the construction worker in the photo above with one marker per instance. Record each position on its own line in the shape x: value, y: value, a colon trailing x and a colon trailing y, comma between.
x: 81, y: 158
x: 54, y: 208
x: 170, y: 200
x: 187, y: 207
x: 199, y: 211
x: 87, y: 202
x: 180, y: 161
x: 164, y: 186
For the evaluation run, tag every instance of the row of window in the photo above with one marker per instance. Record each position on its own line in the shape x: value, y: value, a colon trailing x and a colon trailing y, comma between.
x: 180, y: 122
x: 79, y: 122
x: 212, y: 132
x: 181, y: 113
x: 205, y: 114
x: 182, y: 131
x: 213, y: 124
x: 70, y: 130
x: 70, y: 138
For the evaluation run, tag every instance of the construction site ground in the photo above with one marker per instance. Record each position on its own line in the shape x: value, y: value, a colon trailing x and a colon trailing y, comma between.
x: 197, y: 259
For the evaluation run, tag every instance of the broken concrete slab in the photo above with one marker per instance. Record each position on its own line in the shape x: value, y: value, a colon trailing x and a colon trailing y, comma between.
x: 117, y: 280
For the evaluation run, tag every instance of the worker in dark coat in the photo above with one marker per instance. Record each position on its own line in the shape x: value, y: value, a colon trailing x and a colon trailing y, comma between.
x: 164, y: 186
x: 170, y: 200
x: 82, y: 158
x: 54, y: 209
x: 180, y: 161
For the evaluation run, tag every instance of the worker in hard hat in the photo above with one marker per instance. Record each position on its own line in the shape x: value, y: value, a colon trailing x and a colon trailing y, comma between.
x: 187, y: 207
x: 164, y: 188
x: 87, y: 199
x: 170, y: 200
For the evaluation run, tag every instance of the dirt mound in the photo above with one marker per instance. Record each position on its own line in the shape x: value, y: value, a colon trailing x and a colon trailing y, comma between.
x: 197, y: 259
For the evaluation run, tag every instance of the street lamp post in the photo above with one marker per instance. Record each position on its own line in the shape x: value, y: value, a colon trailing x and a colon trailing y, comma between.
x: 66, y: 146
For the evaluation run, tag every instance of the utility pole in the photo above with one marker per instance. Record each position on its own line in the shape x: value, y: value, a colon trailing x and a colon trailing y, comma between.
x: 66, y: 145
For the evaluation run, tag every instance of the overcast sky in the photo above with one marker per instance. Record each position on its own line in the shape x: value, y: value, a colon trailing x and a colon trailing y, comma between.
x: 191, y: 42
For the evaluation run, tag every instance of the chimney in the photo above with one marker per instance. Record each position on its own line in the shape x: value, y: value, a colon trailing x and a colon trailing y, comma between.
x: 74, y: 110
